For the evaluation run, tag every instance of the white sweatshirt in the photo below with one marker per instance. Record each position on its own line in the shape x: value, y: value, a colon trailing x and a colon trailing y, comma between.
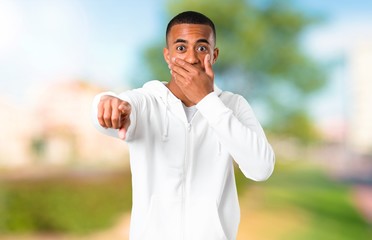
x: 182, y: 172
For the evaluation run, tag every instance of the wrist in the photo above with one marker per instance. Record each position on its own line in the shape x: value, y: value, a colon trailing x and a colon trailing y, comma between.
x: 203, y: 94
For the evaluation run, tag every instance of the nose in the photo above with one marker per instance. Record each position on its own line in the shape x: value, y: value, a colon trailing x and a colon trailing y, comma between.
x: 191, y: 57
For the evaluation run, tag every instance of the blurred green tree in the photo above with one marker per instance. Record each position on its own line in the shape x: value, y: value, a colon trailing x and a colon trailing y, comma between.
x: 260, y: 58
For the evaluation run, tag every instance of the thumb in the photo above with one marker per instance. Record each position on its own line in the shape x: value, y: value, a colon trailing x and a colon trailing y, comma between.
x: 208, y: 65
x: 124, y: 108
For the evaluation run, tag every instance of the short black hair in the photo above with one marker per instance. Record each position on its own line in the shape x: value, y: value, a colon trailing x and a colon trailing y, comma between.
x: 190, y: 17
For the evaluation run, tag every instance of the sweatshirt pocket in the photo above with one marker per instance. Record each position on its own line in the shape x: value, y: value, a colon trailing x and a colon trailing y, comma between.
x: 163, y: 219
x: 203, y: 221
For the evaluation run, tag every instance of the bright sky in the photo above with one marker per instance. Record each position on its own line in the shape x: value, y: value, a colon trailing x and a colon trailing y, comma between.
x: 348, y: 26
x: 51, y: 40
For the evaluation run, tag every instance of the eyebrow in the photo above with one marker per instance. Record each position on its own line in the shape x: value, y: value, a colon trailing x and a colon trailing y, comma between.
x: 201, y: 40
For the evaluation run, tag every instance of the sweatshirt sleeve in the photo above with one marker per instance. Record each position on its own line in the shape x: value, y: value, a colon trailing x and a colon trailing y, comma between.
x: 241, y: 134
x: 110, y: 131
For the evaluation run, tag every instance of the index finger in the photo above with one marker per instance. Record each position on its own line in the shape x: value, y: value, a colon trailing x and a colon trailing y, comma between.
x: 185, y: 65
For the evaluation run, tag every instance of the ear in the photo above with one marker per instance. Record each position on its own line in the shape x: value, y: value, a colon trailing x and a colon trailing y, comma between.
x: 216, y: 51
x: 166, y: 55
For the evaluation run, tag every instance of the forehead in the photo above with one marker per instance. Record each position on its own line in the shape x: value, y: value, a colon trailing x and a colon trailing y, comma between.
x: 190, y: 32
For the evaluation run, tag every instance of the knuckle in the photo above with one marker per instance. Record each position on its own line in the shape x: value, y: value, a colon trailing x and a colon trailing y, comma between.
x: 107, y: 117
x: 101, y: 122
x: 115, y: 119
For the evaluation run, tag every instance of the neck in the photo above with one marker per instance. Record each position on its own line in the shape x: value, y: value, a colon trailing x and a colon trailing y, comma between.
x: 173, y: 87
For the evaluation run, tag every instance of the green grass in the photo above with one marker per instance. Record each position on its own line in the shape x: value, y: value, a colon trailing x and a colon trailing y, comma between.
x: 326, y: 203
x: 67, y: 204
x: 80, y: 205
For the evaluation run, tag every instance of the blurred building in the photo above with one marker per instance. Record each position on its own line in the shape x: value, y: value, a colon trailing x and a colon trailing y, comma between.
x: 55, y: 128
x: 360, y: 129
x: 16, y: 129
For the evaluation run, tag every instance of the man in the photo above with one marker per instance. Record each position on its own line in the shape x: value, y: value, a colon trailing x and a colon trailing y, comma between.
x: 183, y: 137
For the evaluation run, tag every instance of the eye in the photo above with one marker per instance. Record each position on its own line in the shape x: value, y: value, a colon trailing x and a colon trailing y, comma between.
x: 181, y: 48
x: 202, y: 48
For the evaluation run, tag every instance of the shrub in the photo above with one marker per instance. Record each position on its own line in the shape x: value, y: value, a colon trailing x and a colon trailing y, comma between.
x: 68, y: 203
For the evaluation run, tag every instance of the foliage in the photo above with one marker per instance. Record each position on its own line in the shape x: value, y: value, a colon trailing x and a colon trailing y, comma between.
x: 66, y: 204
x: 260, y: 57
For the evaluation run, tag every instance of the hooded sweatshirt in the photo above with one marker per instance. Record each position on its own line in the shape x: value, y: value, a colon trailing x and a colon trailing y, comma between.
x: 182, y: 171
